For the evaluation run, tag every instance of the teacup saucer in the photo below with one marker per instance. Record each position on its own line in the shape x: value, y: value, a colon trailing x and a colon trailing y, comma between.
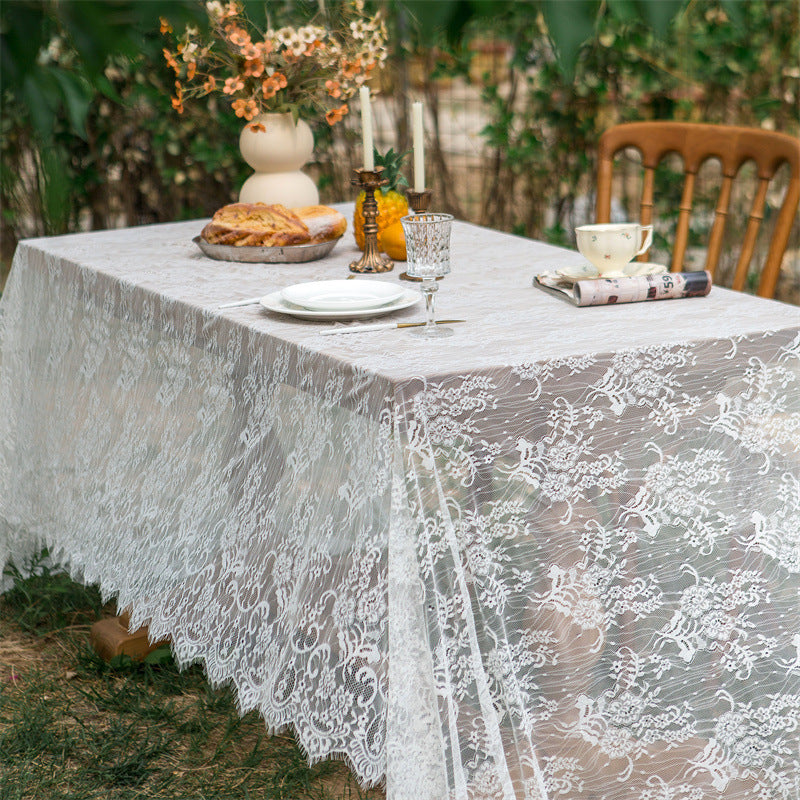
x: 587, y: 272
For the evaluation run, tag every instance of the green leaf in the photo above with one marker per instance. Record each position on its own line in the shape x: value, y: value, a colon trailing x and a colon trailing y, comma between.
x: 659, y: 14
x: 121, y: 662
x: 97, y: 29
x: 56, y: 188
x: 624, y: 10
x: 21, y: 36
x: 163, y: 655
x: 570, y: 24
x: 77, y: 99
x: 40, y: 93
x: 106, y: 88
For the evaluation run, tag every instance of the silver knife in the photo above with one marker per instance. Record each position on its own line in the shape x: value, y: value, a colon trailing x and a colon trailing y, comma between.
x: 383, y: 326
x: 251, y: 301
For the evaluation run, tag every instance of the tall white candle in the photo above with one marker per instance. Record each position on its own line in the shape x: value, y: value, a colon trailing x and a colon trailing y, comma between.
x: 419, y: 148
x: 366, y: 129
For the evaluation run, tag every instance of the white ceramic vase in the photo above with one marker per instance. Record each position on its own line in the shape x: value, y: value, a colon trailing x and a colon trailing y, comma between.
x: 276, y: 154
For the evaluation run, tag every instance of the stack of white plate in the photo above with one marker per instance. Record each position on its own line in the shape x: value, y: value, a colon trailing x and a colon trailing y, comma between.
x: 340, y: 299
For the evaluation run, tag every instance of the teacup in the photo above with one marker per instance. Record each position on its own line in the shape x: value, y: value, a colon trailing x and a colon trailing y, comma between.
x: 611, y: 246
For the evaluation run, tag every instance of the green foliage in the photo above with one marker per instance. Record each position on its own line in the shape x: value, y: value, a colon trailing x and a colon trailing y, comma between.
x: 85, y: 100
x: 627, y: 60
x: 392, y: 164
x: 44, y: 600
x: 54, y: 55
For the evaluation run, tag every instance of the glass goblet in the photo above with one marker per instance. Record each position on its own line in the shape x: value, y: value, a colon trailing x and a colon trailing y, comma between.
x: 428, y: 258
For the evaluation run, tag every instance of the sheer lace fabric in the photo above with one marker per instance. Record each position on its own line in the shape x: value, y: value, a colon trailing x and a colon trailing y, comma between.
x: 516, y: 564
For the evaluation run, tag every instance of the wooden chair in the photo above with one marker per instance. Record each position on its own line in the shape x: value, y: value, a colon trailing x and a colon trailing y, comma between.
x: 696, y: 143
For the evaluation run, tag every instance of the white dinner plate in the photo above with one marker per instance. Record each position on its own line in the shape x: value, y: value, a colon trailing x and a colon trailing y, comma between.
x: 587, y: 272
x: 342, y: 295
x: 275, y: 302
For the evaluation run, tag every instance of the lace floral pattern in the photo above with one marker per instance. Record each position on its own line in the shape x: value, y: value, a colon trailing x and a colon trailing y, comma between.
x: 476, y: 573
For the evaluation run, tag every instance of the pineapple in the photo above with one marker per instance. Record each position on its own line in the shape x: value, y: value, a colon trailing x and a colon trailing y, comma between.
x: 392, y: 205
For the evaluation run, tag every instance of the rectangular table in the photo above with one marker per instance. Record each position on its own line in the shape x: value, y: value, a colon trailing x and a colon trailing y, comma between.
x: 556, y: 555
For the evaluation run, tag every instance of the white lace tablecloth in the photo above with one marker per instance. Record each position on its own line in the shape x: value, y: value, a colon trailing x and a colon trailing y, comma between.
x: 554, y: 556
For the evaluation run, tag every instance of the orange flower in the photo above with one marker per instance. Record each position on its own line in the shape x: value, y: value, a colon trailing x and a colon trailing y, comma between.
x: 334, y: 88
x: 269, y: 87
x: 232, y: 10
x: 177, y: 101
x: 191, y: 70
x: 171, y: 60
x: 254, y: 67
x: 281, y: 79
x: 335, y: 114
x: 165, y: 26
x: 238, y: 36
x: 245, y: 108
x: 233, y: 85
x: 256, y: 50
x: 257, y: 127
x: 350, y: 68
x: 210, y: 84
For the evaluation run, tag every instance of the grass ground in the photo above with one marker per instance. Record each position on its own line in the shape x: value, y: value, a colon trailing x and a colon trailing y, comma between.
x: 75, y: 728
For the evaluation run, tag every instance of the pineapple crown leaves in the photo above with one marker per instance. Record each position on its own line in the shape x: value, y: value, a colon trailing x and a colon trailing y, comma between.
x: 392, y: 164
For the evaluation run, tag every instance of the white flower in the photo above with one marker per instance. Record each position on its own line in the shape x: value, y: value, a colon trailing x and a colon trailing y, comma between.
x: 526, y: 371
x: 479, y: 559
x: 188, y: 51
x: 730, y: 726
x: 625, y: 709
x: 371, y: 607
x: 660, y: 478
x: 626, y: 363
x: 718, y: 625
x: 557, y: 485
x: 310, y: 33
x: 498, y: 663
x: 695, y: 601
x: 751, y: 751
x: 563, y: 455
x: 485, y: 782
x: 588, y: 613
x: 648, y: 382
x: 358, y: 28
x: 617, y: 743
x: 286, y: 36
x: 344, y: 611
x: 282, y: 568
x: 214, y: 9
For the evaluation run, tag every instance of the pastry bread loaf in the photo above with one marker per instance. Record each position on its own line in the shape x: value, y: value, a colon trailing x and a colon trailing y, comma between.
x: 323, y: 223
x: 262, y: 225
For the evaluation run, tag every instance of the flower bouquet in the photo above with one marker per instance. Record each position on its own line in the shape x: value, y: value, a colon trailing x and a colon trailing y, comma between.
x: 307, y: 71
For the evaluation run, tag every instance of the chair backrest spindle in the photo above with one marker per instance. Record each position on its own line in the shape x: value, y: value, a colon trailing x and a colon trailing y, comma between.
x: 648, y: 195
x: 720, y: 220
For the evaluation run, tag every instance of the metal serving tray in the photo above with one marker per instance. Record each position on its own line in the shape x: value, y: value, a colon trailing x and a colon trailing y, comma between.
x: 294, y: 254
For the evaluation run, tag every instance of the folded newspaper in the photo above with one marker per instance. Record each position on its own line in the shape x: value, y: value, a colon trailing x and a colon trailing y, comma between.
x: 608, y: 291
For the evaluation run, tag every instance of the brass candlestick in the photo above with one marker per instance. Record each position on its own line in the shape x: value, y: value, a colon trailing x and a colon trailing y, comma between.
x: 419, y: 201
x: 372, y: 260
